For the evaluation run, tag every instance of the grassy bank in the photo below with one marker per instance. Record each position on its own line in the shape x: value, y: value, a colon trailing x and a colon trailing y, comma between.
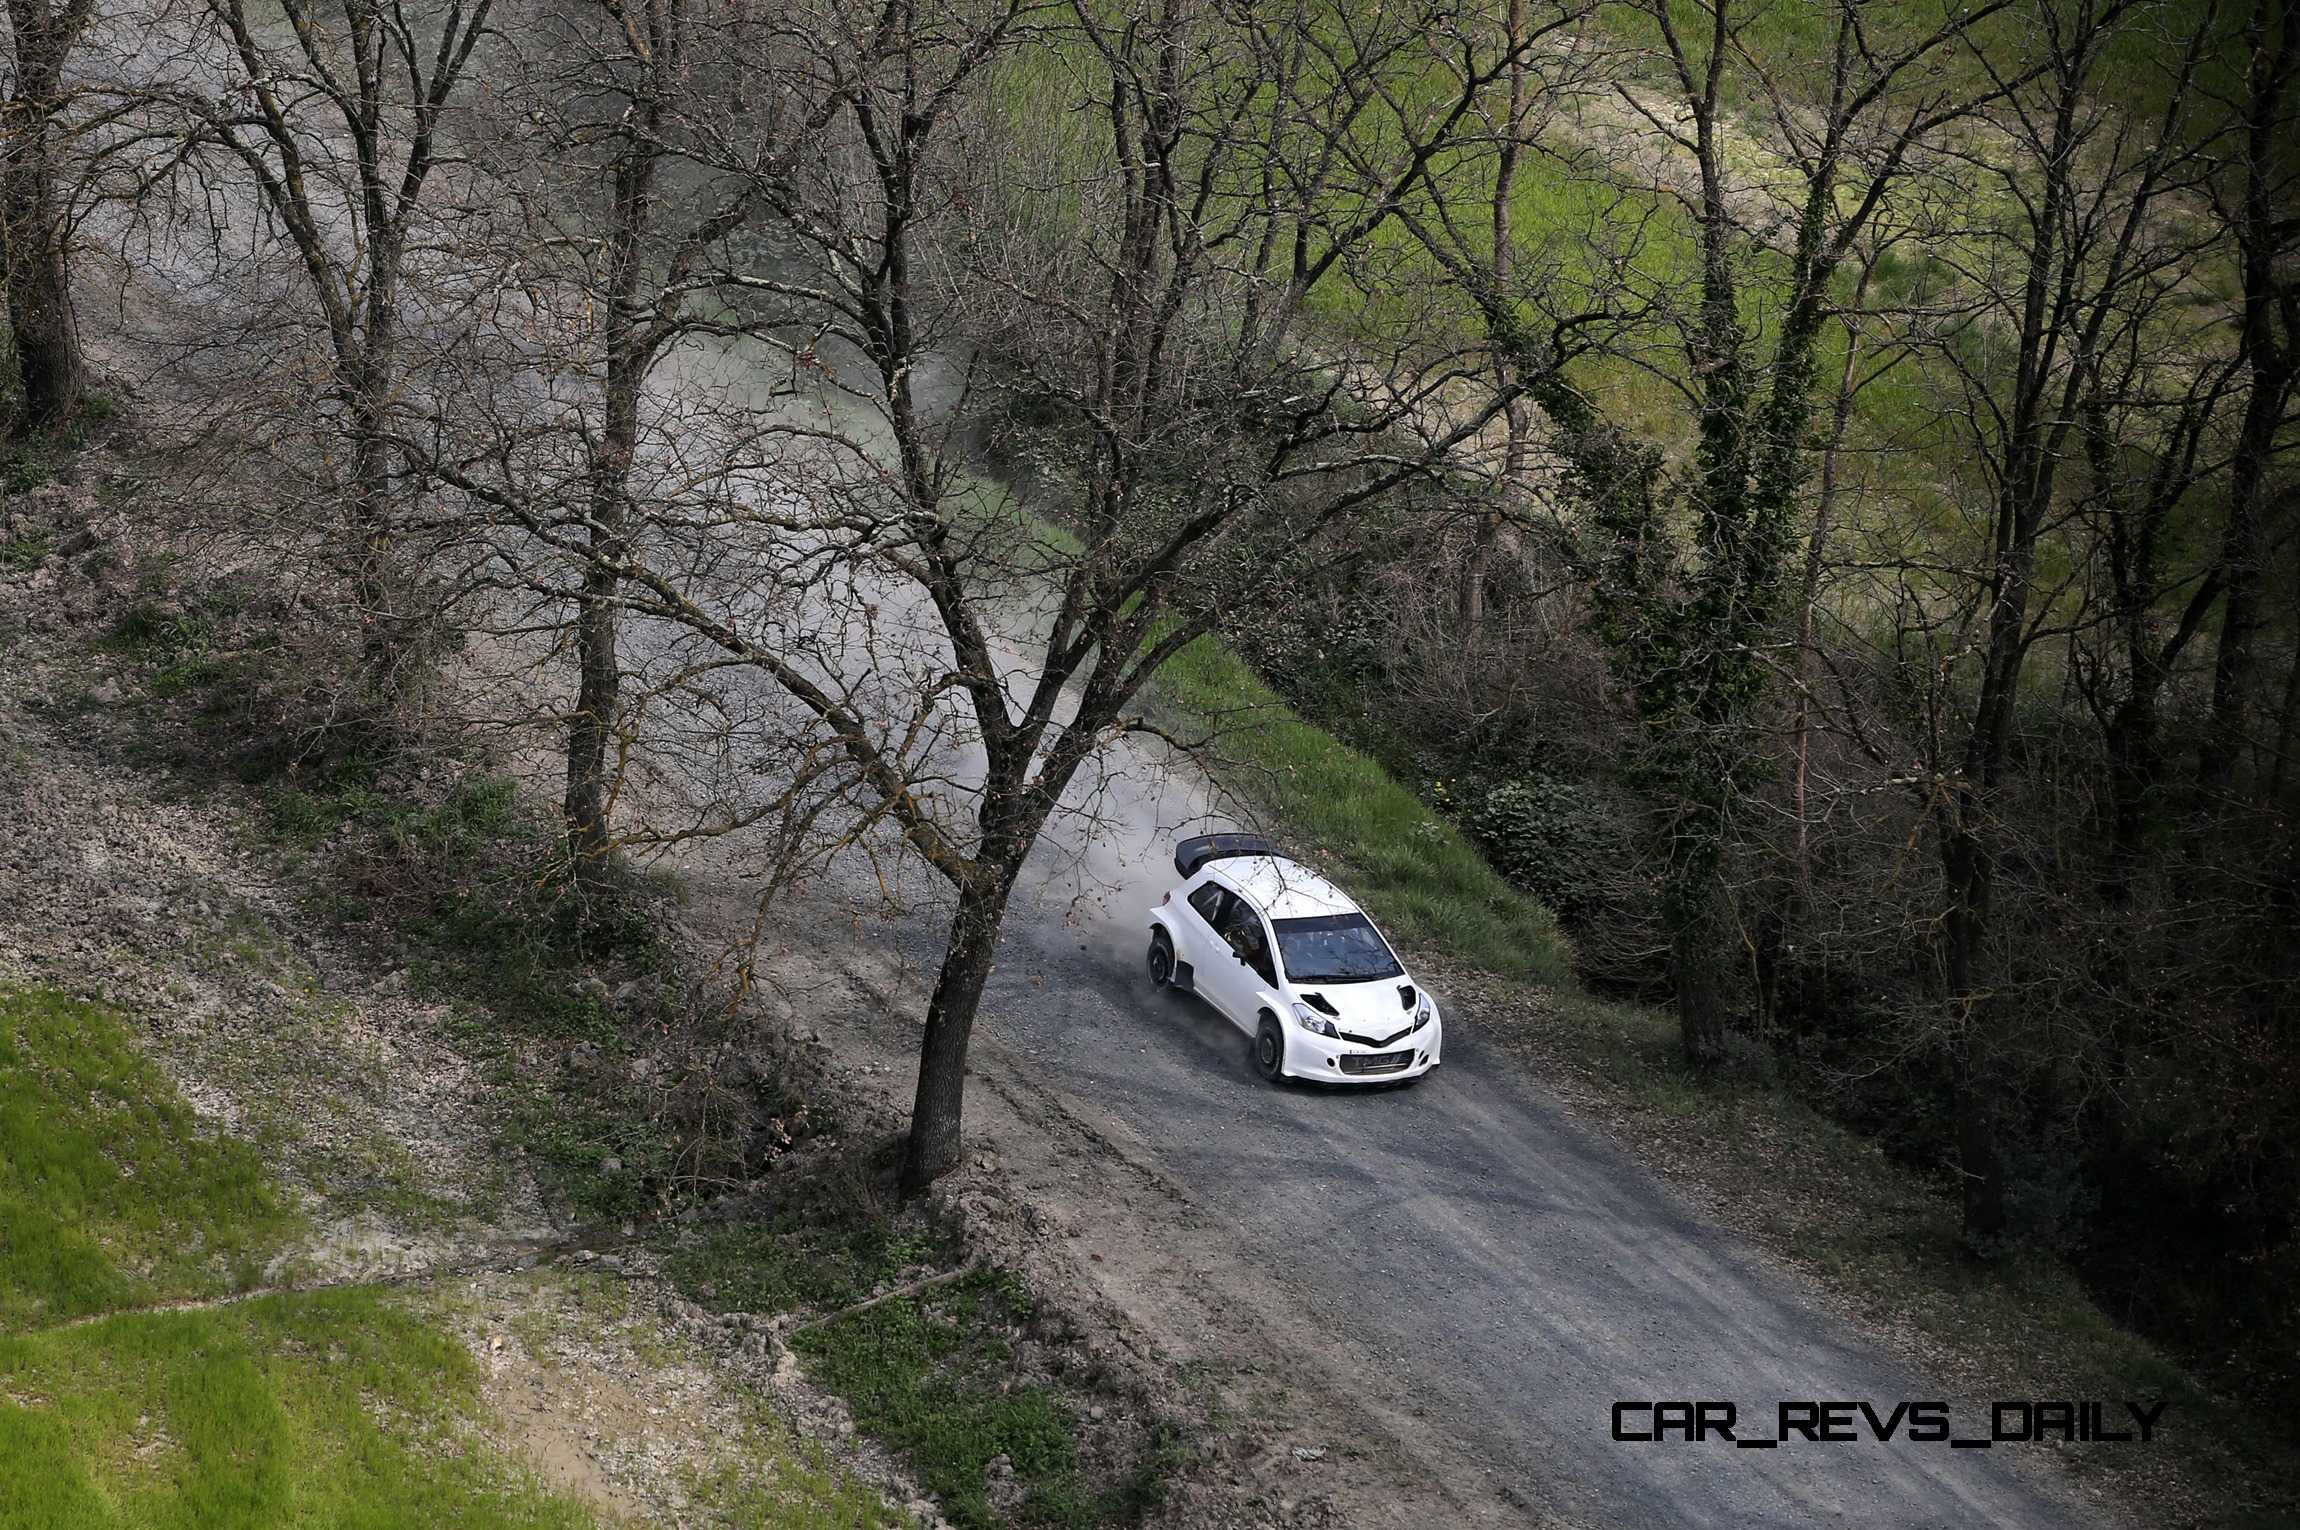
x: 1414, y: 870
x: 327, y: 1407
x: 102, y: 1169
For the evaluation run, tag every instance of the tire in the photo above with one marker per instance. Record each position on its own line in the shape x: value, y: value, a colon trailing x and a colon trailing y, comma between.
x: 1270, y: 1051
x: 1161, y: 960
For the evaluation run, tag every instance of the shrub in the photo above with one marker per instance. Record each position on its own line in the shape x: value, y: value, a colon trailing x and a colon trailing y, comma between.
x: 1562, y: 842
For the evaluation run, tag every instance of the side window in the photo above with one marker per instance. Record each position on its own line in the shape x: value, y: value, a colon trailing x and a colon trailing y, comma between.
x: 1241, y: 926
x: 1207, y: 900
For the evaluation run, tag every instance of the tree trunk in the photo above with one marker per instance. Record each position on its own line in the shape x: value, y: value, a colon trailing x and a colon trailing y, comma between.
x: 1975, y: 1072
x: 2241, y: 559
x: 2288, y: 735
x: 631, y: 345
x: 1693, y: 912
x: 2263, y: 239
x: 931, y: 1150
x: 599, y: 679
x: 1696, y: 972
x: 50, y: 372
x: 1488, y: 530
x: 1809, y: 600
x: 599, y: 670
x: 2134, y: 764
x: 1473, y: 577
x: 383, y: 598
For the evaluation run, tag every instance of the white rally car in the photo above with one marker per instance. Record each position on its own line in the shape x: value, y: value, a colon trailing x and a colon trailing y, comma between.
x: 1293, y: 963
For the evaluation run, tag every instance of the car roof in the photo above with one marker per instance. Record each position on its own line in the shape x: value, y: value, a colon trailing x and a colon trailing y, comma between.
x: 1282, y: 888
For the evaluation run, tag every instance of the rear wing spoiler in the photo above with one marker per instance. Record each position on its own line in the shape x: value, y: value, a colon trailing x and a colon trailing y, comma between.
x: 1198, y: 849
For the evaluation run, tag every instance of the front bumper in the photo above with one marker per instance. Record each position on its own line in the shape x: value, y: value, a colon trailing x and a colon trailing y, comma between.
x: 1323, y: 1060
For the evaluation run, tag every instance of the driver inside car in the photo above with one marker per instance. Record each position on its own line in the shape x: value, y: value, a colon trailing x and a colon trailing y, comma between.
x: 1245, y: 937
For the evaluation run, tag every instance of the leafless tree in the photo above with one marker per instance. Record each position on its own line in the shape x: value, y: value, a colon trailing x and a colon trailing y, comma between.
x: 2253, y: 197
x: 964, y: 664
x: 2077, y: 275
x: 1687, y: 569
x: 49, y: 370
x: 337, y: 120
x: 607, y: 101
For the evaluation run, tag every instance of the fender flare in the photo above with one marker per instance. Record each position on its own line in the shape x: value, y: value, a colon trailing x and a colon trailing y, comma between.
x: 1184, y: 979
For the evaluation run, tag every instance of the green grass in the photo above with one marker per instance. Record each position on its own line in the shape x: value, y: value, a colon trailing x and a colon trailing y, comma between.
x: 1793, y: 43
x: 798, y: 1489
x: 177, y: 645
x: 27, y: 465
x: 333, y: 1408
x: 477, y: 884
x: 1417, y: 874
x: 795, y: 1260
x: 511, y: 949
x: 922, y: 1376
x: 931, y: 1375
x: 351, y: 1407
x: 103, y: 1168
x: 475, y: 813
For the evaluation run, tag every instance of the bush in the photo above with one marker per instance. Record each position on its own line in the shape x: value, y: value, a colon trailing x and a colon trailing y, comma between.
x: 1564, y: 843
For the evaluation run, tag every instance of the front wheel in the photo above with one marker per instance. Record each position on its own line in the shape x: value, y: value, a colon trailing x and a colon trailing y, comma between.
x: 1270, y: 1051
x: 1161, y: 960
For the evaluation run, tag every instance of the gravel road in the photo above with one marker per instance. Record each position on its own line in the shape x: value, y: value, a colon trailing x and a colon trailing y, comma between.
x: 1467, y: 1260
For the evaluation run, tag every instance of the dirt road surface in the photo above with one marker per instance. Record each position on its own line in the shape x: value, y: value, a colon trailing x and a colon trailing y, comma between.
x: 1432, y: 1295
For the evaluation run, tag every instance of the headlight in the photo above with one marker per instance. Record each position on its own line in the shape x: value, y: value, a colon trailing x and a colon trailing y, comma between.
x: 1315, y: 1023
x: 1422, y: 1012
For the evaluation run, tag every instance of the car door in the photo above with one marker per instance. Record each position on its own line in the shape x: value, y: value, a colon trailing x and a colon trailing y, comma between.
x: 1238, y: 966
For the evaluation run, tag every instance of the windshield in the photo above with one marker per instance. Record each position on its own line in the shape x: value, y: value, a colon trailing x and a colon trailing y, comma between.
x: 1336, y: 948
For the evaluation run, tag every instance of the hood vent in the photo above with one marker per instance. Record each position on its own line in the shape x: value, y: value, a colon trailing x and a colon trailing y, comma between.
x: 1321, y: 1004
x: 1406, y: 996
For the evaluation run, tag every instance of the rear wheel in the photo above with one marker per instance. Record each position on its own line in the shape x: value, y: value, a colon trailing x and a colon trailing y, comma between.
x: 1161, y: 959
x: 1270, y: 1051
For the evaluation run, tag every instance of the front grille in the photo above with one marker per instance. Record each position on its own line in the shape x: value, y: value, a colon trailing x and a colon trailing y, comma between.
x: 1377, y: 1041
x: 1381, y: 1062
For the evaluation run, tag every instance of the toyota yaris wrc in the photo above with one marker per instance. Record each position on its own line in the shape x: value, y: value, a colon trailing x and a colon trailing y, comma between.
x: 1292, y: 962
